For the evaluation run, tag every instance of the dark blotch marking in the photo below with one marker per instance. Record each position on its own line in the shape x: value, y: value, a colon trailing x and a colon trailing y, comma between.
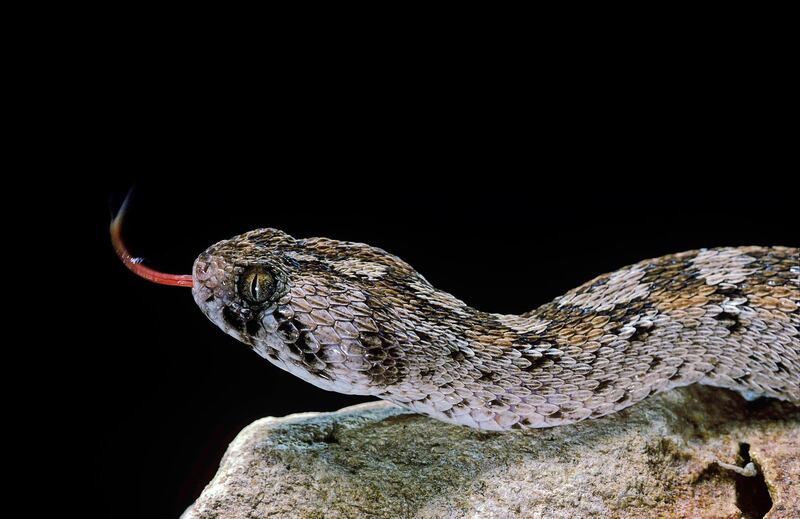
x: 536, y: 362
x: 232, y: 318
x: 678, y: 374
x: 291, y: 262
x: 286, y: 331
x: 457, y: 355
x: 731, y: 291
x: 384, y: 371
x: 394, y: 353
x: 604, y: 384
x: 641, y: 334
x: 375, y: 355
x: 252, y: 326
x: 486, y: 376
x: 305, y: 341
x: 300, y: 326
x: 729, y: 321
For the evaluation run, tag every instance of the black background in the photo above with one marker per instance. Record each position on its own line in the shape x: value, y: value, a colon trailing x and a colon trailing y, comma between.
x: 505, y: 195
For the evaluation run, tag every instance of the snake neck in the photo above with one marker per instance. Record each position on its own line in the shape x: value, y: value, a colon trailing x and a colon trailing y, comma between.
x: 722, y: 317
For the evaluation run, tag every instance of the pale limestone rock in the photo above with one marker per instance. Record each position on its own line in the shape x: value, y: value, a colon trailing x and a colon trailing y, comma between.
x: 655, y: 459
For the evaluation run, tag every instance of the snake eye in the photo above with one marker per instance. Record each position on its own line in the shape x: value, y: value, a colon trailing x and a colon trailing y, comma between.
x: 257, y: 285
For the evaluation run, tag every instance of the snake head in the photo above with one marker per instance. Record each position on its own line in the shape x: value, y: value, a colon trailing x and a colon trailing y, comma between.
x: 238, y: 282
x: 302, y: 305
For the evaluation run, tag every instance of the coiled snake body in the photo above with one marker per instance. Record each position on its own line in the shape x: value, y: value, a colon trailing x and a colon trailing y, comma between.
x: 354, y: 319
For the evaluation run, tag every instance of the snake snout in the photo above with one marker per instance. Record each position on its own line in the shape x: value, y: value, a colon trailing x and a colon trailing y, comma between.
x: 214, y: 290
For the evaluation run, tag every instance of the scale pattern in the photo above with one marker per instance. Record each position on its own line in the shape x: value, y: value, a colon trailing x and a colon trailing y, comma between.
x: 352, y: 318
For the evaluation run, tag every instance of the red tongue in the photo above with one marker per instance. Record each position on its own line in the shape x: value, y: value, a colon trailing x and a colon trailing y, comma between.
x: 135, y: 265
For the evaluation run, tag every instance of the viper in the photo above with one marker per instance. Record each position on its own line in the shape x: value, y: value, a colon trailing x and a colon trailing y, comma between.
x: 352, y: 318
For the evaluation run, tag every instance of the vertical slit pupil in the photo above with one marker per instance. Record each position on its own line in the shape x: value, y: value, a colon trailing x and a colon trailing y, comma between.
x: 254, y: 287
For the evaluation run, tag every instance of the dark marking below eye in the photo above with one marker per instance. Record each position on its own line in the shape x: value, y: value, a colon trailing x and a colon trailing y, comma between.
x: 288, y: 332
x: 252, y: 327
x: 232, y: 318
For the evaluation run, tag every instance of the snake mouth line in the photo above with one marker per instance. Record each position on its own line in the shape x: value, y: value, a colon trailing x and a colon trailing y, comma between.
x: 135, y: 264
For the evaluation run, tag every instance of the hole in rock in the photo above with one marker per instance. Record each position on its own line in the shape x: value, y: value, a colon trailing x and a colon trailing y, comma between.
x: 752, y: 494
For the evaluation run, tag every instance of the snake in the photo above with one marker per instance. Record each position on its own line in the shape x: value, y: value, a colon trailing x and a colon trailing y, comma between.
x: 355, y: 319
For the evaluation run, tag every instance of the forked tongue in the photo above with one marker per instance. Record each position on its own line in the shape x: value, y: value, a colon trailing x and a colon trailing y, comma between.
x: 135, y: 264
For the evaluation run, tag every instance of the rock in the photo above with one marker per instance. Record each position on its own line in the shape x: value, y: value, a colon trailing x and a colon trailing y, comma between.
x: 655, y: 459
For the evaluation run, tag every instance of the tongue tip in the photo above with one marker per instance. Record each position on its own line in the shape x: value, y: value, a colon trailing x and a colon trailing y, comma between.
x: 135, y: 264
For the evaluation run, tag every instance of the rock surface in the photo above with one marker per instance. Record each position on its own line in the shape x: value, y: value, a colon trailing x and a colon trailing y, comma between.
x: 655, y: 459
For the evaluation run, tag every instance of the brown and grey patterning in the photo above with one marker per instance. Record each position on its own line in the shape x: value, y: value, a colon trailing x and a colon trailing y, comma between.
x: 354, y: 319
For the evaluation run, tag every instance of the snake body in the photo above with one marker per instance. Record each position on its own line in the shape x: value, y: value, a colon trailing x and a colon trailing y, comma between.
x: 355, y: 319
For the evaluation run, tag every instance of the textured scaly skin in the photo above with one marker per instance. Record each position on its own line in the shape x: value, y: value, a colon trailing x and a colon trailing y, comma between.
x: 354, y: 319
